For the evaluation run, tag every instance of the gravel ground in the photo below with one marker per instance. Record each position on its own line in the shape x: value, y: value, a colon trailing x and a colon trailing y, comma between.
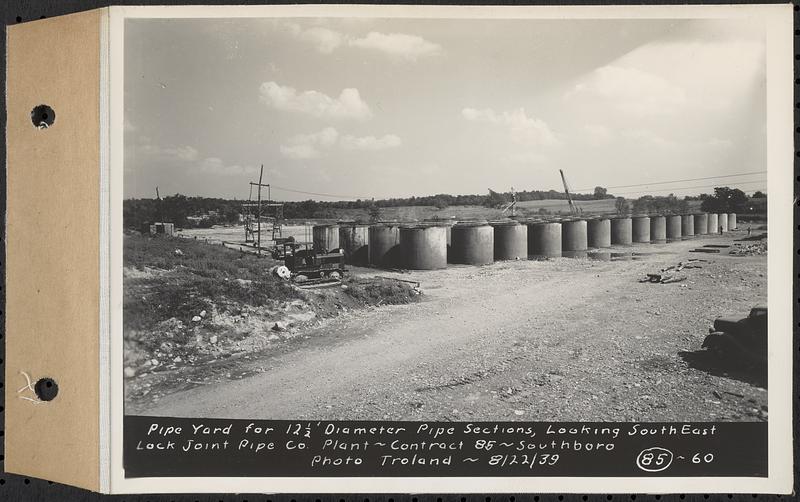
x: 564, y: 339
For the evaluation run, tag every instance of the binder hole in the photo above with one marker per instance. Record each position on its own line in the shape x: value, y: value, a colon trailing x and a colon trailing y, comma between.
x: 46, y: 389
x: 42, y: 116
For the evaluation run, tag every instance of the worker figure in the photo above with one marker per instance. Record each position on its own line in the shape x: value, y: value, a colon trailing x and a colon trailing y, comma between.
x: 748, y: 230
x: 720, y: 229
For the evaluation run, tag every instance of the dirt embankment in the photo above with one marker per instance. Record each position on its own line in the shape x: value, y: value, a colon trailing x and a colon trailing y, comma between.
x: 563, y: 339
x: 194, y: 312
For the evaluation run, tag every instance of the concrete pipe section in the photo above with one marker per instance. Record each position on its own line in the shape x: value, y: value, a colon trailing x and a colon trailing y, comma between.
x: 713, y: 223
x: 544, y: 239
x: 384, y: 246
x: 641, y: 229
x: 574, y: 239
x: 326, y: 238
x: 732, y: 221
x: 598, y: 232
x: 673, y: 228
x: 472, y: 243
x: 687, y: 226
x: 354, y: 241
x: 448, y: 224
x: 423, y: 247
x: 723, y: 222
x: 658, y: 229
x: 510, y: 240
x: 621, y: 231
x: 700, y: 224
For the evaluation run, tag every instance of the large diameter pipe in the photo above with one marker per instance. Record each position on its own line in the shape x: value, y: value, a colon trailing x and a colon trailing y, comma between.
x: 598, y: 233
x: 544, y: 239
x: 354, y: 241
x: 723, y: 222
x: 621, y: 231
x: 326, y: 238
x: 732, y: 225
x: 423, y: 247
x: 384, y: 246
x: 713, y: 223
x: 687, y: 226
x: 641, y: 229
x: 510, y: 241
x: 700, y: 223
x: 673, y: 228
x: 472, y: 244
x: 658, y: 229
x: 574, y: 239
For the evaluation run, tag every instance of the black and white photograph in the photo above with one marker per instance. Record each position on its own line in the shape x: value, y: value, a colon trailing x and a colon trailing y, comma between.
x: 445, y: 219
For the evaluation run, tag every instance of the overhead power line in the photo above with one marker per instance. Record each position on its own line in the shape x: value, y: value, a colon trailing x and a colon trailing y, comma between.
x: 354, y: 197
x: 675, y: 189
x: 333, y: 196
x: 677, y: 181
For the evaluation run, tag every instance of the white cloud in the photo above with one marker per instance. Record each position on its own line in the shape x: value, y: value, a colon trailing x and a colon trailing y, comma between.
x: 370, y: 142
x: 186, y: 153
x: 308, y: 146
x: 215, y: 165
x: 324, y: 39
x: 348, y: 105
x: 410, y: 47
x: 405, y: 46
x: 631, y: 90
x: 312, y: 146
x: 522, y: 129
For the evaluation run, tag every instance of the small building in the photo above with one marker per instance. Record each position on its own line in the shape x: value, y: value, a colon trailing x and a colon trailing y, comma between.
x: 167, y: 229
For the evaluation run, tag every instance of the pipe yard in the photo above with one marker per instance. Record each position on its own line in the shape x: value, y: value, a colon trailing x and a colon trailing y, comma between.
x: 433, y: 244
x: 514, y: 319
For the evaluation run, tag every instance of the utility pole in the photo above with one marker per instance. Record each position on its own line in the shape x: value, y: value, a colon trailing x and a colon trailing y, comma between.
x: 258, y: 207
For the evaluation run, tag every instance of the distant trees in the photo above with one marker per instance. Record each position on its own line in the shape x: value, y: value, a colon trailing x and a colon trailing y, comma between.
x: 651, y: 204
x: 621, y: 205
x: 725, y: 199
x: 440, y: 202
x: 759, y: 195
x: 186, y: 212
x: 495, y: 199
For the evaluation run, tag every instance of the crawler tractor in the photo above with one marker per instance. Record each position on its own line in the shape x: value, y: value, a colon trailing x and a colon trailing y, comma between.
x: 305, y: 263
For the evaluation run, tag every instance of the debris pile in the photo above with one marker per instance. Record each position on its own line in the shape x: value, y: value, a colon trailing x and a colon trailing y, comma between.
x: 755, y: 248
x: 672, y: 274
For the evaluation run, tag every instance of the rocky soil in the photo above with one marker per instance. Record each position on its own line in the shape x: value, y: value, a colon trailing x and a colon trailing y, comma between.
x: 564, y: 339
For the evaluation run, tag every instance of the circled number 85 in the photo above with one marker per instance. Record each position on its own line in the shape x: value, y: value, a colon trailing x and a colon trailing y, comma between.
x: 654, y: 459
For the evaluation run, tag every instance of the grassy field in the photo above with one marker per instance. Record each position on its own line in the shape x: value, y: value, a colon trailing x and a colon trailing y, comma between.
x: 178, y: 278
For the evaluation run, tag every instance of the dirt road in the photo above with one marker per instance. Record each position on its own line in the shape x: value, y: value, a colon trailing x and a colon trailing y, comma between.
x: 566, y: 339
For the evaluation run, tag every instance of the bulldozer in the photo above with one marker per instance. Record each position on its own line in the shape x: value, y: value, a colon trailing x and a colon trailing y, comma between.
x: 302, y: 263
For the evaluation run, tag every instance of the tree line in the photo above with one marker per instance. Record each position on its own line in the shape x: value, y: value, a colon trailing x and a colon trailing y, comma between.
x: 188, y: 212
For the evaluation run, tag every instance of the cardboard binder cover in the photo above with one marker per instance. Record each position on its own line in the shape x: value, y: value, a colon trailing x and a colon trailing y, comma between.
x: 53, y: 248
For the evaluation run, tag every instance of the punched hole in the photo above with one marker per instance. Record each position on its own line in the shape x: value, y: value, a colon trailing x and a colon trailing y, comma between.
x: 42, y: 116
x: 46, y: 389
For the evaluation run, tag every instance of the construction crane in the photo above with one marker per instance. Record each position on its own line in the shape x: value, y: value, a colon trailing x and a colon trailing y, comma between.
x: 573, y: 209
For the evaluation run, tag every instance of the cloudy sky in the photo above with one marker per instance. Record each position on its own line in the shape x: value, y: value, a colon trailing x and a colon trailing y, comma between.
x: 399, y: 107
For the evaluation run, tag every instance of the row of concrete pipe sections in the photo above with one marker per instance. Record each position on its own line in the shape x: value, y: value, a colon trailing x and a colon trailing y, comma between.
x: 431, y: 245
